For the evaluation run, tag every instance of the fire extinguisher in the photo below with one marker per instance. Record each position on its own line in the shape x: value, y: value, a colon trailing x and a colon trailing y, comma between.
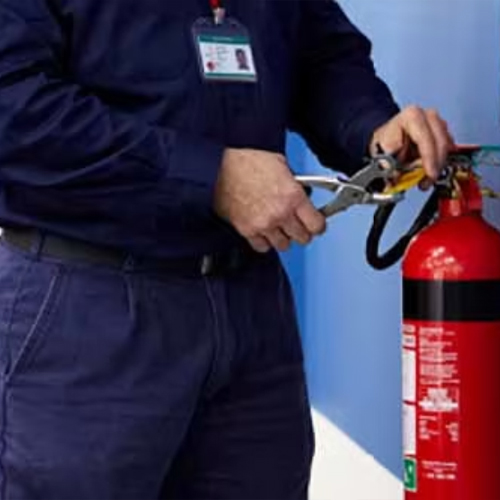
x: 450, y: 344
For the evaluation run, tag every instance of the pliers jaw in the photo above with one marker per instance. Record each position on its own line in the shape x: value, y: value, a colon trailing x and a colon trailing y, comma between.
x: 363, y: 188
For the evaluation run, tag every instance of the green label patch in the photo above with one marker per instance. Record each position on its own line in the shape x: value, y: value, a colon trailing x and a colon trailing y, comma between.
x: 410, y: 474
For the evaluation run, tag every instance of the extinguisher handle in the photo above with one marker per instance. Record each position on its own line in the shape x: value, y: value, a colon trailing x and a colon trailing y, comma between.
x: 394, y: 253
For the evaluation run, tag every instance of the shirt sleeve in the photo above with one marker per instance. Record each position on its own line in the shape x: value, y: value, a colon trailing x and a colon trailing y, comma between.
x: 339, y: 100
x: 58, y: 138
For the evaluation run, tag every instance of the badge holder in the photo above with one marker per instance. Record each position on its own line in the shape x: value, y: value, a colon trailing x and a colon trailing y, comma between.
x: 224, y: 50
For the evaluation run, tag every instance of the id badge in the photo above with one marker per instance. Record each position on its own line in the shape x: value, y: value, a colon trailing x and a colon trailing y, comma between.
x: 224, y: 51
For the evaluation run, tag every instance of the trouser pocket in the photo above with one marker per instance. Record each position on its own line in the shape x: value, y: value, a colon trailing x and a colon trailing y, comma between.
x: 29, y: 292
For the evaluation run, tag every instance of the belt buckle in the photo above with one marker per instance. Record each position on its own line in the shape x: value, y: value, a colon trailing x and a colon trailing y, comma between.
x: 207, y: 265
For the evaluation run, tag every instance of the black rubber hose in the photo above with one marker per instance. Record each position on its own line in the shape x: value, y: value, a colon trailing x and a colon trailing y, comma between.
x: 380, y: 219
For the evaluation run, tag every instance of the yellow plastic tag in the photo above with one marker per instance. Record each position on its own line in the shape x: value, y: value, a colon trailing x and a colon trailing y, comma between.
x: 406, y: 181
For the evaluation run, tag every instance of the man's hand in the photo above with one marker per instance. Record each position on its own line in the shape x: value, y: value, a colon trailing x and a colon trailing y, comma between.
x: 416, y: 133
x: 258, y: 195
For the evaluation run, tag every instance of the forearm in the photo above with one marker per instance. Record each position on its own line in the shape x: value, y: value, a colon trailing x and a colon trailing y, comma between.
x: 340, y: 100
x: 56, y: 136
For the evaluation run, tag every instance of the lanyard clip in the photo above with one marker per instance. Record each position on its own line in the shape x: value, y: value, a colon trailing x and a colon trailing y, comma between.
x: 218, y: 11
x: 219, y: 15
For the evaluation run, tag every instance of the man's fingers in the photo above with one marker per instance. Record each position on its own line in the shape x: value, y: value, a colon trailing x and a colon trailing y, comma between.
x: 281, y: 238
x: 278, y: 239
x: 312, y: 219
x: 417, y: 127
x: 295, y: 230
x: 425, y: 184
x: 442, y: 137
x: 417, y: 134
x: 259, y: 244
x: 300, y: 227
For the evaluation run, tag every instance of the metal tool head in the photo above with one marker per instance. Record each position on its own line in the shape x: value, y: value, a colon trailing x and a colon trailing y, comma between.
x: 381, y: 167
x: 364, y: 187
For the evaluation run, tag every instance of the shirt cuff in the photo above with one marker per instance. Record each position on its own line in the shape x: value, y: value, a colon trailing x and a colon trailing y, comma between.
x: 196, y: 162
x: 361, y: 131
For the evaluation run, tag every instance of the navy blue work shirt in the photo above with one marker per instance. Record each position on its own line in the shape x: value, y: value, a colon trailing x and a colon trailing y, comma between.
x: 108, y: 132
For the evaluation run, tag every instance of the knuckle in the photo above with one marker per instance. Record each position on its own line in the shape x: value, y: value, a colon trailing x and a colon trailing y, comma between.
x: 281, y: 214
x: 271, y: 220
x: 260, y: 225
x: 268, y: 223
x: 413, y: 111
x: 433, y: 113
x: 254, y: 226
x: 249, y: 232
x: 296, y: 189
x: 293, y: 193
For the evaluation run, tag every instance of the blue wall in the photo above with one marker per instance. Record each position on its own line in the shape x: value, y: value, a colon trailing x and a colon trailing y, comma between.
x: 437, y: 53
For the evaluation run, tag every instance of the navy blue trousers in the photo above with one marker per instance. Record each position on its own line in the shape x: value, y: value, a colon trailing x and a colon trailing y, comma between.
x: 125, y: 384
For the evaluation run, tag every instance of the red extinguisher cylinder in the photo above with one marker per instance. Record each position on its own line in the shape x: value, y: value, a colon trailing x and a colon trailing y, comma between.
x: 451, y: 355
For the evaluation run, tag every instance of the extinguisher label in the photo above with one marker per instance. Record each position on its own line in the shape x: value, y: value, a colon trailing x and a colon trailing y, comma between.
x: 409, y: 375
x: 438, y: 391
x: 410, y: 406
x: 409, y: 389
x: 431, y: 392
x: 409, y: 429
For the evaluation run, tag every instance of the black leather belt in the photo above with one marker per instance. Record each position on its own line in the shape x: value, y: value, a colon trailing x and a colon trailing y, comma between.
x: 63, y: 248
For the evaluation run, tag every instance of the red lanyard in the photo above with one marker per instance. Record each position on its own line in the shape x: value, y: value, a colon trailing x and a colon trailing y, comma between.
x: 218, y: 11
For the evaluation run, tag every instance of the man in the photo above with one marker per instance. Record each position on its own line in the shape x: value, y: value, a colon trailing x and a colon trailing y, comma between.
x: 149, y: 345
x: 241, y: 59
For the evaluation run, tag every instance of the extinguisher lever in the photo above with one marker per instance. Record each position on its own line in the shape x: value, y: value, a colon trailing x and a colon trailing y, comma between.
x: 393, y: 254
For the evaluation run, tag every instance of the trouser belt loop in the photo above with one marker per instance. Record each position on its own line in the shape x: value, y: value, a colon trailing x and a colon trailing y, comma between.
x: 37, y: 244
x: 129, y: 264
